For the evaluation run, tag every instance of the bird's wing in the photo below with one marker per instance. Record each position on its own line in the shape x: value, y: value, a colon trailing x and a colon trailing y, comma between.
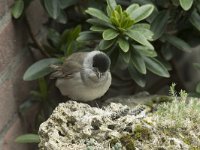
x: 71, y: 65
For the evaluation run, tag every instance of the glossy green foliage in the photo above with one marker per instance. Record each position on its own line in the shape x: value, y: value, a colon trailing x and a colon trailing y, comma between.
x: 55, y: 9
x: 138, y: 29
x: 127, y: 29
x: 119, y: 24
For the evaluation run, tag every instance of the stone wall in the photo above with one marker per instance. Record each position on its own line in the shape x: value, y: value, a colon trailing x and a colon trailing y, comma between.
x: 14, y: 60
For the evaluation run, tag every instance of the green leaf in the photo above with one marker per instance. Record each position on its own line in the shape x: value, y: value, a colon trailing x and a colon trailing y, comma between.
x: 139, y: 37
x: 123, y: 44
x: 141, y: 25
x: 17, y: 8
x: 110, y: 34
x: 52, y: 7
x: 119, y: 9
x: 67, y: 3
x: 126, y: 57
x: 117, y: 14
x: 145, y: 51
x: 115, y: 18
x: 103, y: 45
x: 148, y: 34
x: 159, y: 24
x: 39, y: 69
x: 131, y: 8
x: 126, y: 23
x: 75, y: 32
x: 64, y: 37
x: 97, y: 29
x: 198, y: 88
x: 72, y: 36
x: 186, y: 4
x: 195, y: 19
x: 156, y: 67
x: 165, y: 63
x: 109, y: 11
x: 112, y: 4
x: 54, y: 37
x: 178, y: 43
x: 142, y: 12
x: 98, y: 14
x: 98, y: 22
x: 28, y: 138
x: 136, y: 76
x: 69, y: 36
x: 87, y: 35
x: 138, y: 62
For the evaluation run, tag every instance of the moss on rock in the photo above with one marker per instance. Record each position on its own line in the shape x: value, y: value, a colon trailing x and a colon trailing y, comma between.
x: 141, y: 133
x: 128, y: 142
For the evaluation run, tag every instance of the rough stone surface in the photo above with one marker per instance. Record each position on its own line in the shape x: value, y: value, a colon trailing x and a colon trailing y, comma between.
x: 116, y: 126
x: 73, y: 122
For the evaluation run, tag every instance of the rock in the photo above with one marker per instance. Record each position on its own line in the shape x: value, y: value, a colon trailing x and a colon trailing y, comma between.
x: 117, y: 126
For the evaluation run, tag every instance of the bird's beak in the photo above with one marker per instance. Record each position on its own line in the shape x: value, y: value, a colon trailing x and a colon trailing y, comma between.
x: 99, y: 75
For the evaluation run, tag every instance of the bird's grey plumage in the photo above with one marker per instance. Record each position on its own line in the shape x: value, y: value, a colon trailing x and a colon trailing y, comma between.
x: 71, y: 65
x: 77, y: 79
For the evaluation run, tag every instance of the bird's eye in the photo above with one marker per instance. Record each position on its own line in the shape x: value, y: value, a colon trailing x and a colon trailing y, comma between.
x: 93, y: 65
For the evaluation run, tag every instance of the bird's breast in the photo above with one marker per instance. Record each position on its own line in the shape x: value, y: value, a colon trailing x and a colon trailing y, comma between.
x: 76, y: 89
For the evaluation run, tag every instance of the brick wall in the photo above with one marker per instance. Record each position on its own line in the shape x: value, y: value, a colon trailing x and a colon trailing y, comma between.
x: 14, y: 60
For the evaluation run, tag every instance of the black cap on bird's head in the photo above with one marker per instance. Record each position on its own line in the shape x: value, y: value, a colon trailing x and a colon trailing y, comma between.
x: 102, y: 62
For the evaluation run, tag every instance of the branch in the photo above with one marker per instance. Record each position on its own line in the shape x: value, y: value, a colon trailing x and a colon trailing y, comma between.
x: 40, y: 47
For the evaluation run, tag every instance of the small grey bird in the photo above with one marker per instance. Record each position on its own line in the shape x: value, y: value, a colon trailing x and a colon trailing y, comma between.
x: 84, y: 76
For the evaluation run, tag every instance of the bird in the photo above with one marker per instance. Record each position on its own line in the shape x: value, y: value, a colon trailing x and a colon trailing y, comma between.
x: 83, y: 76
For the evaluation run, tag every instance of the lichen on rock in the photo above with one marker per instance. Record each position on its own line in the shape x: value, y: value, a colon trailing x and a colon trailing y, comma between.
x: 74, y: 125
